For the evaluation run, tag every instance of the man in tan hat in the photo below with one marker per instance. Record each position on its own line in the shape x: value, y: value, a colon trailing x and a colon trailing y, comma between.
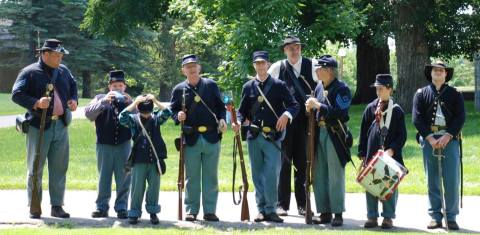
x: 298, y: 73
x: 439, y: 114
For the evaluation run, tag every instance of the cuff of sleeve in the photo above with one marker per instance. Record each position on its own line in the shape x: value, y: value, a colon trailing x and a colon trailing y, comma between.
x: 289, y: 115
x: 431, y: 134
x: 32, y: 103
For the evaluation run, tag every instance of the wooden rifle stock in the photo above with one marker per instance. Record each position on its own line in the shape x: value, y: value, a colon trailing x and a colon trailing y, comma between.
x: 245, y: 213
x: 181, y: 165
x: 309, y: 171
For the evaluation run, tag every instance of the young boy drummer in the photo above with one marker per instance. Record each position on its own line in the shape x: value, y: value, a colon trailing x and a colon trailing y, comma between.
x: 375, y: 121
x: 148, y: 154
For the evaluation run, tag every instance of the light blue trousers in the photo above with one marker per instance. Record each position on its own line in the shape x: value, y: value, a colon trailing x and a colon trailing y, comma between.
x: 329, y: 177
x: 265, y: 162
x: 451, y: 180
x: 111, y: 160
x: 143, y: 173
x: 55, y: 150
x: 201, y: 176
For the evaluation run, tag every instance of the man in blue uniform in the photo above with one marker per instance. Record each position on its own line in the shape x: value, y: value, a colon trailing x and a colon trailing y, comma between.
x: 266, y: 109
x: 28, y: 92
x: 204, y: 123
x: 334, y: 142
x: 113, y: 145
x: 382, y: 127
x: 299, y: 75
x: 439, y: 114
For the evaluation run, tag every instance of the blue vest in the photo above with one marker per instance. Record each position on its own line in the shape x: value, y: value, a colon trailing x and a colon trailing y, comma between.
x: 108, y: 128
x: 142, y: 151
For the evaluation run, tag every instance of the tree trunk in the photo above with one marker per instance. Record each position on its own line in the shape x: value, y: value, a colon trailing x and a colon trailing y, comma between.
x: 371, y: 60
x: 87, y: 84
x: 412, y: 54
x: 476, y: 59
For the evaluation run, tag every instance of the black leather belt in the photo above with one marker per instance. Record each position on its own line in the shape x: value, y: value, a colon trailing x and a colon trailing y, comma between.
x: 200, y: 129
x: 265, y: 129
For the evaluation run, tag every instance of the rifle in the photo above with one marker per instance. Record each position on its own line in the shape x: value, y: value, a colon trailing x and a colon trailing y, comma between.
x: 309, y: 167
x: 181, y: 169
x: 245, y: 213
x: 35, y: 207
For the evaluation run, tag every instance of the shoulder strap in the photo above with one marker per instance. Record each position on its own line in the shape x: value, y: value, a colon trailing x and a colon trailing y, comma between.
x: 266, y: 101
x: 296, y: 83
x: 145, y: 133
x: 54, y: 76
x: 266, y: 89
x: 205, y: 104
x: 385, y: 125
x: 388, y: 112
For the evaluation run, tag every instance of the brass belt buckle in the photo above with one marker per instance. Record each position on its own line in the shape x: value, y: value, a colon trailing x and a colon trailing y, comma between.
x: 202, y: 129
x: 434, y: 128
x: 321, y: 123
x: 266, y: 129
x: 54, y: 118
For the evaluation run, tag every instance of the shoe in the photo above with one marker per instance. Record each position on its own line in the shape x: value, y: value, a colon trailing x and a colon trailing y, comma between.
x: 190, y: 217
x: 324, y: 218
x: 273, y: 217
x: 35, y: 215
x: 133, y: 220
x: 57, y: 211
x: 260, y: 217
x: 282, y: 212
x: 122, y: 214
x: 387, y: 223
x: 210, y: 217
x: 338, y: 220
x: 452, y: 225
x: 434, y: 224
x: 99, y: 214
x: 154, y: 219
x: 371, y: 223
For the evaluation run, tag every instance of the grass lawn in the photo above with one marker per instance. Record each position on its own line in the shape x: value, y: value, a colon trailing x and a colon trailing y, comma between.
x: 82, y: 172
x: 170, y: 231
x: 10, y: 108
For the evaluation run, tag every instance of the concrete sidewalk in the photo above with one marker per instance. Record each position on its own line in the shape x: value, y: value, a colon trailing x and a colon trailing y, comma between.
x: 9, y: 120
x: 411, y: 214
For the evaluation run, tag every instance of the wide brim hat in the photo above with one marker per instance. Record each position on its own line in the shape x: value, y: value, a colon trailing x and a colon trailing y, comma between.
x: 53, y: 45
x: 291, y: 40
x: 437, y: 64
